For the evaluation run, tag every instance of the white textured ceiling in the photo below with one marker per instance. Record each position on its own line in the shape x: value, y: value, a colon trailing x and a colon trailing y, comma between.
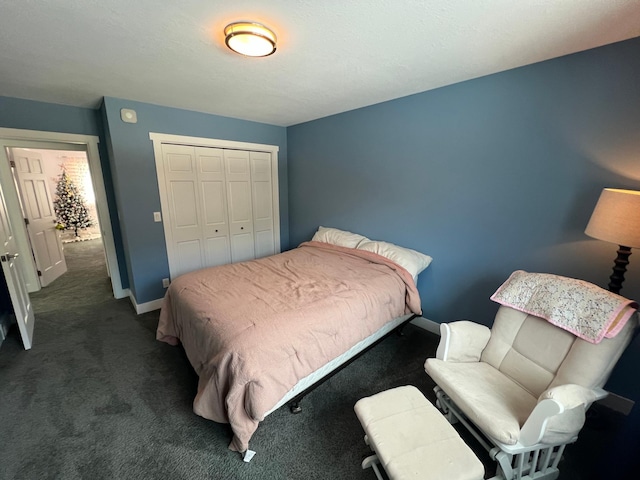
x: 333, y: 55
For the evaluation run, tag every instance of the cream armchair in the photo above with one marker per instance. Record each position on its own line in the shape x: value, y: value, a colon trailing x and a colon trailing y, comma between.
x: 522, y: 387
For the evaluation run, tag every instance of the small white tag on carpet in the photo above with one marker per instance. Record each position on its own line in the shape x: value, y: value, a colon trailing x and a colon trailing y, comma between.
x: 248, y: 455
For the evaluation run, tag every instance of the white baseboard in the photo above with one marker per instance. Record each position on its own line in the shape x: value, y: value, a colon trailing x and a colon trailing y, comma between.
x: 122, y: 294
x: 145, y: 307
x: 617, y: 403
x: 428, y: 325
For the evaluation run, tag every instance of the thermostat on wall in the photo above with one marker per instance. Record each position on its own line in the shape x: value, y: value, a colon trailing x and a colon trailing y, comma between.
x: 128, y: 116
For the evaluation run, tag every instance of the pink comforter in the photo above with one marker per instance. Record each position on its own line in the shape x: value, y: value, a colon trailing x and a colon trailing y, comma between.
x: 251, y: 330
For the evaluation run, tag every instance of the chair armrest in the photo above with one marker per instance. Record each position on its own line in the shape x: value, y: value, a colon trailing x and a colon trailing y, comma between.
x: 533, y: 429
x: 462, y: 341
x: 559, y: 414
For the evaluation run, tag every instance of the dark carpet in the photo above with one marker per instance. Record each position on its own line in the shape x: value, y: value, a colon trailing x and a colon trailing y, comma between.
x: 99, y: 398
x: 85, y: 284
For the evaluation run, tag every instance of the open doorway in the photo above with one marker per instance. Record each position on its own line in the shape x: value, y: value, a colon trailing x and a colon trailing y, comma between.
x: 18, y: 259
x: 57, y: 199
x: 62, y: 144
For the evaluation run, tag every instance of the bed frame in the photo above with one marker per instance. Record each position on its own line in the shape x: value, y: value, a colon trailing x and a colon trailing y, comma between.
x: 294, y: 403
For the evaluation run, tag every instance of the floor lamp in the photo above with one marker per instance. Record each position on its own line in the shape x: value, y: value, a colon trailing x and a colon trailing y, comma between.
x: 616, y: 219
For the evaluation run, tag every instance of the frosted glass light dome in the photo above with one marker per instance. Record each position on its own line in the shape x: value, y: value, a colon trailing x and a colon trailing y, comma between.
x: 250, y: 39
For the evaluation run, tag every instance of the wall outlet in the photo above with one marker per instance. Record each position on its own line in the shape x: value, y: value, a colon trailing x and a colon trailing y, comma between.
x: 165, y: 283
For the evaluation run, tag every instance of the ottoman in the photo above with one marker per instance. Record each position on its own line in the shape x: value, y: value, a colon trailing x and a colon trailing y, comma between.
x: 412, y: 440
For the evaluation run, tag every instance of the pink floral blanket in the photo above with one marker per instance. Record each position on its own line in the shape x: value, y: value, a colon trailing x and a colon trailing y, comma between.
x: 580, y: 307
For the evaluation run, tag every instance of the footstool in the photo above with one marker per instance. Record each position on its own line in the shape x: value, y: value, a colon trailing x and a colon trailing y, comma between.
x: 411, y: 439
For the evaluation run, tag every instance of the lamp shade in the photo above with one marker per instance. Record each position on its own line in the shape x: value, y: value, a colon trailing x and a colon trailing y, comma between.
x: 616, y: 218
x: 250, y: 38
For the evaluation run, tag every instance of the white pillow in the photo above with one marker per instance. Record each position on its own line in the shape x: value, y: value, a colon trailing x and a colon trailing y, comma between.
x: 341, y: 238
x: 412, y: 261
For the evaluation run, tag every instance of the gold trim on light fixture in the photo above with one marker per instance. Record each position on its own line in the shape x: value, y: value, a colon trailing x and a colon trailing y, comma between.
x: 250, y: 38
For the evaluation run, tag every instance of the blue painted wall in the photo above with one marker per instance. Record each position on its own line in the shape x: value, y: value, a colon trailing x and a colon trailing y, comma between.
x: 31, y: 115
x: 136, y: 186
x: 487, y: 176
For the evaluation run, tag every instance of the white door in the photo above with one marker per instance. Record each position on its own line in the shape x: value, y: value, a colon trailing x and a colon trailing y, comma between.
x: 37, y: 204
x: 184, y: 209
x: 17, y: 288
x: 220, y: 205
x: 262, y: 194
x: 215, y: 224
x: 238, y: 175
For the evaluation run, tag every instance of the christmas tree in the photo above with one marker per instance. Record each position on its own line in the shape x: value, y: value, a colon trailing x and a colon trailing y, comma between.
x: 69, y: 206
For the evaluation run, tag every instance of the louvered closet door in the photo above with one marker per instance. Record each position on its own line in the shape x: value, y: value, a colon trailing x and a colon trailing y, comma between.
x: 262, y: 193
x: 215, y: 225
x: 181, y: 178
x: 238, y: 176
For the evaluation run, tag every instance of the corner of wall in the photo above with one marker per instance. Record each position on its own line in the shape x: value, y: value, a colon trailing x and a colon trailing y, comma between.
x: 426, y: 324
x: 146, y: 306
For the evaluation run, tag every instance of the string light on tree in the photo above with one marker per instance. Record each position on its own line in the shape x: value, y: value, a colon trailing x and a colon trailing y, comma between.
x: 71, y: 212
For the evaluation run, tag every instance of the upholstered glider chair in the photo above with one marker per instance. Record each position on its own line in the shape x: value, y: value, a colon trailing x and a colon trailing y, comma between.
x: 522, y: 387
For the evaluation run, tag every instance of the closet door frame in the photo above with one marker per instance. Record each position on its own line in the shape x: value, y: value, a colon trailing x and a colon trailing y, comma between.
x: 159, y: 139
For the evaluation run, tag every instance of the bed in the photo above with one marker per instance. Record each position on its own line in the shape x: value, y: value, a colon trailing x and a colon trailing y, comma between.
x: 258, y: 333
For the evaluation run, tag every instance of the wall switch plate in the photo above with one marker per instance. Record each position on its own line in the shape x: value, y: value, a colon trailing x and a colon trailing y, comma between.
x: 157, y: 217
x: 165, y: 283
x: 128, y: 116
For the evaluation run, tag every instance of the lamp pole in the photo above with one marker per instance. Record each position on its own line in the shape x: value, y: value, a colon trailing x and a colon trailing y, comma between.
x: 619, y: 268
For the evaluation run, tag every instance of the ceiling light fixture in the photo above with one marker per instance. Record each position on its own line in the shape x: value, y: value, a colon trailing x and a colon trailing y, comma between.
x: 250, y: 39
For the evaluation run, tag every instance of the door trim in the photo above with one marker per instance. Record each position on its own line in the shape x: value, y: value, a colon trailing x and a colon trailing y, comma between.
x: 12, y: 137
x: 159, y: 139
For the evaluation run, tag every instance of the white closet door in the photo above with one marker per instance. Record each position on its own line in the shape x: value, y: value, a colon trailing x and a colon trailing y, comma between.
x: 184, y: 207
x: 220, y: 205
x: 215, y: 225
x: 262, y: 193
x: 238, y: 176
